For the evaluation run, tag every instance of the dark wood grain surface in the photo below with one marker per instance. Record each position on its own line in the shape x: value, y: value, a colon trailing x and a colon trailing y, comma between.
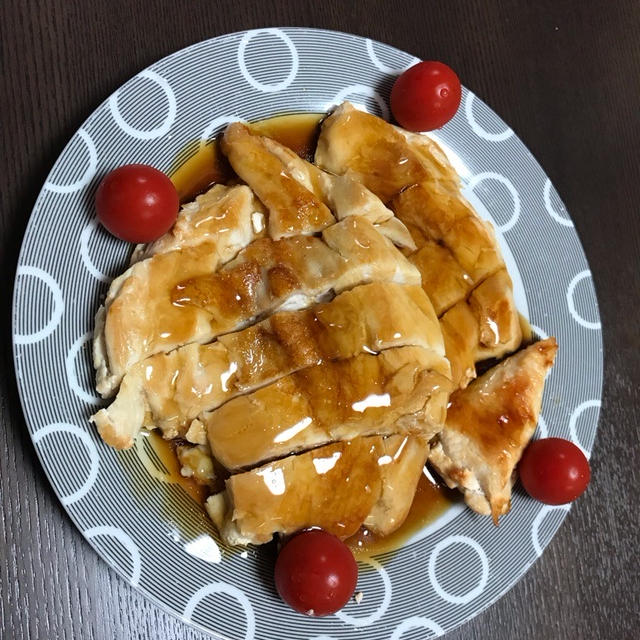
x: 564, y: 74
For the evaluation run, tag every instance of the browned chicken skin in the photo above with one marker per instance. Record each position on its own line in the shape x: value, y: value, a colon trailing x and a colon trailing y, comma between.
x: 488, y: 426
x: 170, y: 390
x: 403, y: 390
x: 336, y: 487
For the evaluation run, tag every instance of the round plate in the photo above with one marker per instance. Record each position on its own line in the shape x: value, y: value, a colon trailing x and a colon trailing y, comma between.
x: 149, y: 530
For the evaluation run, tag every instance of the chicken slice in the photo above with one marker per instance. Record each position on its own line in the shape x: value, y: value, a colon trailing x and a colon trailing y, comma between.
x: 402, y: 390
x: 485, y: 326
x: 461, y: 339
x: 293, y: 273
x: 137, y: 317
x: 370, y: 150
x: 386, y: 159
x: 443, y: 279
x: 457, y: 250
x: 404, y: 459
x: 170, y: 390
x: 196, y: 462
x: 336, y: 487
x: 495, y: 309
x: 343, y: 195
x: 432, y: 213
x: 397, y: 233
x: 212, y: 216
x: 488, y: 426
x: 178, y: 298
x: 293, y: 209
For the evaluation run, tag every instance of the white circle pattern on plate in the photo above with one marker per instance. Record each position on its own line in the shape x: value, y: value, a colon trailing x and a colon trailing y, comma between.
x: 58, y: 306
x: 120, y: 500
x: 82, y: 436
x: 346, y: 614
x: 125, y: 540
x: 88, y: 174
x: 70, y: 366
x: 472, y: 593
x: 155, y: 132
x: 571, y: 291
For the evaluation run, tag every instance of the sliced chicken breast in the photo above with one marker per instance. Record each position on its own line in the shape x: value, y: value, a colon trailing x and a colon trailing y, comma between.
x: 137, y: 317
x: 488, y: 426
x: 293, y: 209
x: 485, y: 326
x: 404, y: 458
x: 268, y: 168
x: 370, y: 150
x: 293, y: 273
x: 178, y: 298
x: 343, y: 195
x: 433, y: 213
x: 402, y: 390
x: 170, y: 390
x: 336, y: 487
x: 457, y: 252
x: 443, y: 279
x: 214, y: 216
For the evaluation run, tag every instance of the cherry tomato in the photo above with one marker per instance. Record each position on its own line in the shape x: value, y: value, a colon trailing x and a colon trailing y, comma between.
x: 426, y: 96
x: 316, y: 573
x: 554, y: 471
x: 137, y: 203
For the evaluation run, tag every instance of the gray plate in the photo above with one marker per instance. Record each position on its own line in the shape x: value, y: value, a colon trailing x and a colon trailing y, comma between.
x: 148, y: 529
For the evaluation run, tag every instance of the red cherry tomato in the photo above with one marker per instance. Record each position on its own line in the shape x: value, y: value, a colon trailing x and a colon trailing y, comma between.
x: 554, y: 471
x: 137, y: 203
x: 316, y: 573
x: 426, y: 96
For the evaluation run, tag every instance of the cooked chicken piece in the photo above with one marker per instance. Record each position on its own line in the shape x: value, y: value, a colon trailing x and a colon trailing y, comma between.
x: 177, y: 298
x: 384, y: 158
x: 443, y: 279
x: 170, y: 390
x: 336, y: 487
x: 293, y: 273
x: 461, y: 337
x: 343, y: 195
x: 432, y: 213
x: 293, y: 209
x: 434, y: 160
x: 488, y: 426
x: 137, y: 318
x: 333, y: 487
x: 212, y: 216
x: 397, y: 233
x: 457, y: 250
x: 370, y: 150
x: 403, y: 390
x: 495, y: 309
x: 196, y: 462
x: 485, y: 326
x: 406, y: 457
x: 387, y: 160
x: 346, y: 197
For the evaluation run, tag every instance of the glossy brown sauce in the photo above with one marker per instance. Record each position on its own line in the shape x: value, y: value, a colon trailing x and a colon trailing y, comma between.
x: 166, y: 453
x: 430, y: 501
x: 527, y: 331
x: 196, y: 168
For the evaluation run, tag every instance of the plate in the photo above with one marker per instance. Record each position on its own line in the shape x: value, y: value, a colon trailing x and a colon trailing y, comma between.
x: 124, y: 503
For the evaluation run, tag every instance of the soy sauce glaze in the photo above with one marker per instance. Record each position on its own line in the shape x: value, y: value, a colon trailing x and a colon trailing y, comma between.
x: 430, y: 501
x: 199, y: 166
x: 196, y: 168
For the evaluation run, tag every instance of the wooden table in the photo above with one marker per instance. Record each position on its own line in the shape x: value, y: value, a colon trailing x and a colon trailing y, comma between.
x: 564, y: 74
